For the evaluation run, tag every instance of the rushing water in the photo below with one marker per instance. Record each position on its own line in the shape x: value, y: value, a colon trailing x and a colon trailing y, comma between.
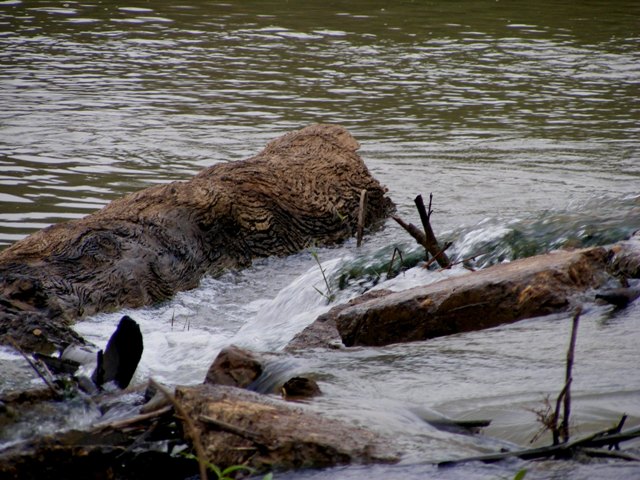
x: 522, y: 118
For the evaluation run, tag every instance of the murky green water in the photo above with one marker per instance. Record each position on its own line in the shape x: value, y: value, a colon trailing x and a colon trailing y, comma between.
x: 521, y: 117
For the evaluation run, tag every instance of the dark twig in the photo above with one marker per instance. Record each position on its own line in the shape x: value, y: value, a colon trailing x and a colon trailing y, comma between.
x: 361, y: 216
x: 564, y: 428
x: 432, y: 245
x: 564, y: 450
x: 393, y: 257
x: 415, y: 232
x: 553, y: 426
x: 35, y: 368
x: 190, y: 428
x: 466, y: 259
x: 434, y: 258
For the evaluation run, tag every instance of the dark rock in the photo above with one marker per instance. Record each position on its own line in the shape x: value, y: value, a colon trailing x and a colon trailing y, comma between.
x: 120, y: 359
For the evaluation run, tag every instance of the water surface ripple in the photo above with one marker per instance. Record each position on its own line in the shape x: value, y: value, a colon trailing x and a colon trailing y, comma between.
x: 521, y: 117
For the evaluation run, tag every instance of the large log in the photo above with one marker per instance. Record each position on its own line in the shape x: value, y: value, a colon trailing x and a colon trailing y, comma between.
x: 501, y: 294
x: 302, y: 189
x: 497, y: 295
x: 239, y: 427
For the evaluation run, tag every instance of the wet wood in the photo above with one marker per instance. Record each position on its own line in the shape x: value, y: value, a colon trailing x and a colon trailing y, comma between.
x: 431, y: 242
x: 239, y: 427
x: 500, y: 294
x: 486, y: 298
x: 564, y: 450
x: 303, y: 188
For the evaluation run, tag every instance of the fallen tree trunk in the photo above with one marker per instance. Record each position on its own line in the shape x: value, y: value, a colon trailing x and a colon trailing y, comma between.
x: 497, y: 295
x: 501, y: 294
x: 304, y: 188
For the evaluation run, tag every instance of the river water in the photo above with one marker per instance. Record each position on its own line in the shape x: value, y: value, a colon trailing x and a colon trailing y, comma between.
x: 522, y: 119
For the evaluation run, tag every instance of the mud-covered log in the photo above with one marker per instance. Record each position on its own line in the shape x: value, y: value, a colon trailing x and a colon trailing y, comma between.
x: 497, y: 295
x: 239, y: 427
x: 302, y: 189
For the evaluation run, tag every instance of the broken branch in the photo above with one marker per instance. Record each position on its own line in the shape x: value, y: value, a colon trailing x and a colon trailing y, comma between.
x: 192, y: 432
x: 431, y: 243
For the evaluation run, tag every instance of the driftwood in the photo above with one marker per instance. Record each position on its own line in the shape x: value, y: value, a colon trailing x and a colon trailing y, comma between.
x: 426, y: 237
x: 606, y: 438
x: 304, y: 188
x: 132, y: 448
x: 500, y: 294
x: 224, y: 426
x: 239, y: 427
x: 493, y: 296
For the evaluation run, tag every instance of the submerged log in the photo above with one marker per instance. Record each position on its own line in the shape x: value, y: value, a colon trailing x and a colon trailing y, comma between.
x: 239, y: 427
x: 303, y: 188
x: 500, y: 294
x: 497, y: 295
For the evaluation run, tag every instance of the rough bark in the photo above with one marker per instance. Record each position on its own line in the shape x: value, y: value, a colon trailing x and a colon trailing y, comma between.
x: 302, y: 189
x: 239, y: 427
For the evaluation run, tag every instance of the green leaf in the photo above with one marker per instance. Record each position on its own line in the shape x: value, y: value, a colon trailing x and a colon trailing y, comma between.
x: 520, y: 475
x: 235, y: 468
x: 215, y: 469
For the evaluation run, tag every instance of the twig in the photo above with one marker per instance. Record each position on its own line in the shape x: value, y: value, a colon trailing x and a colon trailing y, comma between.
x: 189, y: 427
x: 564, y: 429
x: 127, y: 422
x: 566, y: 450
x: 434, y: 258
x: 601, y: 453
x: 415, y: 232
x: 393, y: 257
x: 553, y: 426
x: 466, y: 259
x: 35, y: 368
x: 432, y: 243
x: 361, y: 216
